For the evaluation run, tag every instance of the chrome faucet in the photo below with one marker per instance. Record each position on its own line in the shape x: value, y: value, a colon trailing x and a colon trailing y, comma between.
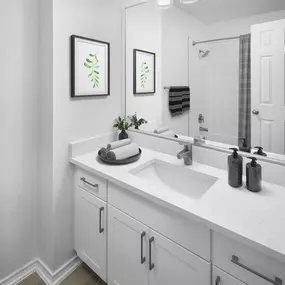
x: 186, y: 154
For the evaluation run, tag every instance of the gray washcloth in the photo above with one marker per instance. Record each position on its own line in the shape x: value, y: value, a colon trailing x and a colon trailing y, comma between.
x: 103, y: 152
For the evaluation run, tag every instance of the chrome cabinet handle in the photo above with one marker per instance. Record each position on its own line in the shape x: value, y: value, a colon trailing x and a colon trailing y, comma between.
x: 151, y: 265
x: 276, y: 281
x: 218, y: 280
x: 85, y: 181
x: 142, y: 257
x: 101, y: 229
x: 255, y: 112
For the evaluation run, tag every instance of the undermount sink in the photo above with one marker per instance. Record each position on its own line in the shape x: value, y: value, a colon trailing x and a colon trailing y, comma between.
x: 166, y: 176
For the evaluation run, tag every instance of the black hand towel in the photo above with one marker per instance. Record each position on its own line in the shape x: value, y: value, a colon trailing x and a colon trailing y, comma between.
x: 179, y: 100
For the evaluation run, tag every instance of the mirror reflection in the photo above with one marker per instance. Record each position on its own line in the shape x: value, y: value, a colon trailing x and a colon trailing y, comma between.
x: 213, y: 69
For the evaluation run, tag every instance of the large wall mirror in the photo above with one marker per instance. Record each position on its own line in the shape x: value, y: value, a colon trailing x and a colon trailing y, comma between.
x: 217, y: 70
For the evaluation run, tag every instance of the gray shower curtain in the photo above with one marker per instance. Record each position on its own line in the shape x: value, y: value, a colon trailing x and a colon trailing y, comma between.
x: 244, y: 132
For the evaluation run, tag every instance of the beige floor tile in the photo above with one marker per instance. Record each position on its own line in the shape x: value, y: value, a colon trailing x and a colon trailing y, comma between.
x: 33, y: 279
x: 83, y: 275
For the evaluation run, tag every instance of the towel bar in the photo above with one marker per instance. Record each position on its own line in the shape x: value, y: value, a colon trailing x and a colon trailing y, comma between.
x: 168, y: 87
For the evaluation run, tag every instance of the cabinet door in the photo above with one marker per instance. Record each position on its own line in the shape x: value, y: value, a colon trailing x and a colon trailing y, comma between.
x: 171, y: 264
x: 222, y: 278
x: 127, y: 250
x: 90, y: 231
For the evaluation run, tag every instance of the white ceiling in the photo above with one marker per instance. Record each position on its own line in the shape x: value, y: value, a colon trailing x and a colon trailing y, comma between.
x: 211, y: 11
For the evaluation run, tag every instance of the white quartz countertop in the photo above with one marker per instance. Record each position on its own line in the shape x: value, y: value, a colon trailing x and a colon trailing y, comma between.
x: 257, y: 219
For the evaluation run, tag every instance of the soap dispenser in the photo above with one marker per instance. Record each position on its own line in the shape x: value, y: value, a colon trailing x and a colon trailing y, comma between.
x: 235, y: 165
x: 253, y: 175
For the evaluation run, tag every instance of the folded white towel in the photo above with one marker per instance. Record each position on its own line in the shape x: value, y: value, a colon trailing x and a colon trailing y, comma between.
x: 118, y: 144
x: 123, y: 152
x: 169, y: 133
x: 161, y: 130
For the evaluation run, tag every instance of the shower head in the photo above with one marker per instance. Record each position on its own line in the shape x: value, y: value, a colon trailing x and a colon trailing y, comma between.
x: 203, y: 53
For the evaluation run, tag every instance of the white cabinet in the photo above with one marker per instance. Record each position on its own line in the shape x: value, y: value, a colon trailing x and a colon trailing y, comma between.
x: 141, y: 256
x: 151, y: 245
x: 127, y: 246
x: 173, y: 264
x: 246, y: 263
x: 90, y: 231
x: 219, y: 277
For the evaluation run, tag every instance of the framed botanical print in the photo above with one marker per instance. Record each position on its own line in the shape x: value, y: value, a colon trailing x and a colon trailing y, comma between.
x: 90, y: 67
x: 144, y: 72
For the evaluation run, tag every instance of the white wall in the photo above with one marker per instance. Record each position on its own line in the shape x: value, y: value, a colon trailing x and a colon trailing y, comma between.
x: 46, y: 123
x: 179, y: 29
x: 18, y: 124
x: 77, y: 119
x: 143, y: 31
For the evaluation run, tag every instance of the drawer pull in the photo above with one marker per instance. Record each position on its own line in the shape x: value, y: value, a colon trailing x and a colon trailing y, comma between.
x: 85, y: 181
x: 151, y: 265
x: 101, y: 230
x: 276, y: 281
x: 142, y: 257
x: 218, y: 280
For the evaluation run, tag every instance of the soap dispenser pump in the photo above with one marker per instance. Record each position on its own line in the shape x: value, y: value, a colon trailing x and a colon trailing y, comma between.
x: 235, y: 165
x: 253, y: 175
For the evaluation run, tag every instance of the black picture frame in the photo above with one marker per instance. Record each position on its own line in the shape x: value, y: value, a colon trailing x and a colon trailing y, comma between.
x: 135, y: 87
x: 73, y: 40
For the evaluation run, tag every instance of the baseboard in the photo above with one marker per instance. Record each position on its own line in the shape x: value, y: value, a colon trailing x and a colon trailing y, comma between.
x: 20, y: 274
x: 55, y: 278
x: 49, y: 277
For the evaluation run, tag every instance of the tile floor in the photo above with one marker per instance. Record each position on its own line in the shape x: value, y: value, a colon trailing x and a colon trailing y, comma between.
x: 81, y: 276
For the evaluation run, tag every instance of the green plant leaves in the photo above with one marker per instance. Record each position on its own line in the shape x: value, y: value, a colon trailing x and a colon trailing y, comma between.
x: 122, y: 124
x: 144, y: 74
x: 92, y: 62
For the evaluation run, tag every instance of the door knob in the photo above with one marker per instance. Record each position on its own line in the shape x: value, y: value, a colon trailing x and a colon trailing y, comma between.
x: 255, y: 112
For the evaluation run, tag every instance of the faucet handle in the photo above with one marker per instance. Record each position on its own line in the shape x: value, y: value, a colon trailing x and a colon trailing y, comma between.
x: 260, y: 151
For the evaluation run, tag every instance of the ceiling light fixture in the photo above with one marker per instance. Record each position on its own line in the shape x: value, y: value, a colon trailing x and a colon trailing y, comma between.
x: 188, y: 1
x: 164, y: 4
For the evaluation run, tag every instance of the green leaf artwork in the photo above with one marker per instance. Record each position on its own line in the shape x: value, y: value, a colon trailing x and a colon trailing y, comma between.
x: 144, y: 74
x: 92, y: 63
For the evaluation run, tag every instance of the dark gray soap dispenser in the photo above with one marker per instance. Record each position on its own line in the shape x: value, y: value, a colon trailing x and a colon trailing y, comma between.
x: 235, y: 166
x: 253, y: 175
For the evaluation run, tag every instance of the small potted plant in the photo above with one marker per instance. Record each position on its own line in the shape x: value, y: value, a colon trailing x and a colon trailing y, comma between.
x: 137, y: 122
x: 123, y: 125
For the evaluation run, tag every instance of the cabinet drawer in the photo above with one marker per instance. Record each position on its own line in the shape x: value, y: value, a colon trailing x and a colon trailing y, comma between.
x: 220, y: 277
x: 184, y: 231
x: 91, y: 183
x: 246, y: 263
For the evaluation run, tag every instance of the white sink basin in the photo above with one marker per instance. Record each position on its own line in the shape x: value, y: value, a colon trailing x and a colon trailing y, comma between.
x: 166, y: 176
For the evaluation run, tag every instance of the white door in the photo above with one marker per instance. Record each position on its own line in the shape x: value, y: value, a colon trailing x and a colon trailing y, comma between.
x: 90, y: 231
x: 268, y: 86
x: 171, y: 264
x: 220, y: 277
x: 127, y: 250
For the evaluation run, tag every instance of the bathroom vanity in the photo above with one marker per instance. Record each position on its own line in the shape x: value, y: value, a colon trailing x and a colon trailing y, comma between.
x: 159, y: 222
